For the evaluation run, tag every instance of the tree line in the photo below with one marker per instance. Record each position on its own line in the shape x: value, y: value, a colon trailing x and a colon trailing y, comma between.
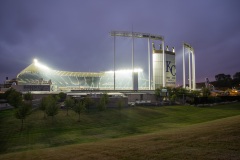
x: 227, y: 81
x: 180, y: 94
x: 50, y: 104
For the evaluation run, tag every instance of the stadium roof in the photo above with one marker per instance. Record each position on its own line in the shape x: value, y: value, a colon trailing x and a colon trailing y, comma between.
x: 38, y: 68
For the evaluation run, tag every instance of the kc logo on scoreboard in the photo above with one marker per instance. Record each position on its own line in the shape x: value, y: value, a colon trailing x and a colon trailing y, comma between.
x: 171, y: 68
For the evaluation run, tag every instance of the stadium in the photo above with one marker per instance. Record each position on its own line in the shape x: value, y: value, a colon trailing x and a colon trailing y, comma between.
x: 39, y: 74
x: 39, y: 77
x: 133, y: 85
x: 161, y: 71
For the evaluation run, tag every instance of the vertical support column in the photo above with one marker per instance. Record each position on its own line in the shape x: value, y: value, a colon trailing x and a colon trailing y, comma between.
x: 164, y: 69
x: 114, y: 63
x: 184, y: 83
x: 99, y: 83
x: 132, y: 61
x: 190, y: 75
x: 193, y: 71
x: 149, y: 64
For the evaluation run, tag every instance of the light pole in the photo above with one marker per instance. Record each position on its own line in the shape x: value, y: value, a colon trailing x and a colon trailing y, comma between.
x: 192, y: 75
x: 132, y: 60
x: 114, y: 65
x: 164, y: 61
x: 142, y: 35
x: 184, y: 82
x: 149, y: 64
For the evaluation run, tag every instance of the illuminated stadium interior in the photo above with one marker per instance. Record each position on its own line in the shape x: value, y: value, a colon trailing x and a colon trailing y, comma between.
x: 37, y: 73
x: 161, y: 74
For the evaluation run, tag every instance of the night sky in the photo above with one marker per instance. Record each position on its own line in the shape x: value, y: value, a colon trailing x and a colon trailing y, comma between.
x: 73, y: 35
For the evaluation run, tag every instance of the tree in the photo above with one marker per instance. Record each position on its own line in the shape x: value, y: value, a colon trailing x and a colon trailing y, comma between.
x: 103, y: 102
x: 43, y: 105
x: 51, y: 107
x: 158, y: 92
x: 79, y: 107
x: 8, y: 92
x: 88, y: 102
x: 14, y: 97
x: 236, y: 76
x: 28, y: 96
x: 236, y: 80
x: 62, y: 96
x: 105, y: 98
x: 173, y: 98
x: 161, y: 93
x: 195, y: 93
x: 120, y: 104
x: 69, y: 103
x: 205, y: 92
x: 223, y: 81
x: 182, y: 91
x: 222, y: 77
x: 172, y: 94
x: 22, y: 112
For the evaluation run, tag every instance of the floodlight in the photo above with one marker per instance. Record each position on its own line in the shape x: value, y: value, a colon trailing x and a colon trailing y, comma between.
x: 35, y: 60
x: 167, y: 48
x: 138, y: 70
x: 41, y: 66
x: 160, y: 46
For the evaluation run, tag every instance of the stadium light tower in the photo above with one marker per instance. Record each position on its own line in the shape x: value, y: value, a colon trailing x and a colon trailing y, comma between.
x: 192, y: 76
x: 114, y: 64
x: 141, y: 35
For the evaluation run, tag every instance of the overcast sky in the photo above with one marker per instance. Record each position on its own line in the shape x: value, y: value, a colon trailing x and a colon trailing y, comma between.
x: 73, y: 35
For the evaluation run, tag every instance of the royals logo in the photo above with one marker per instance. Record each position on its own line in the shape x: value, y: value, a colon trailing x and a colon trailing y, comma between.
x: 171, y: 68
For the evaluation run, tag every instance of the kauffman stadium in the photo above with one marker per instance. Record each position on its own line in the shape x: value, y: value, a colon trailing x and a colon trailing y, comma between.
x: 161, y: 72
x: 39, y: 74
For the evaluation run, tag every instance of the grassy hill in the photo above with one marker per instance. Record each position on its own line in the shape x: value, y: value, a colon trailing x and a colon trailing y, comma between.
x: 172, y: 132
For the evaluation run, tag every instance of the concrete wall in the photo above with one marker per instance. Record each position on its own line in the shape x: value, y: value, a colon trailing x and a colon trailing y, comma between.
x: 113, y: 101
x: 25, y: 88
x: 133, y: 97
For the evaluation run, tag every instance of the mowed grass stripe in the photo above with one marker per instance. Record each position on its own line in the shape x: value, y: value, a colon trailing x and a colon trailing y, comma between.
x: 99, y: 126
x: 218, y: 139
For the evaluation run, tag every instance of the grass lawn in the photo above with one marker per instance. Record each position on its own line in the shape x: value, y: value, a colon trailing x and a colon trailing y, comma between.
x: 171, y: 132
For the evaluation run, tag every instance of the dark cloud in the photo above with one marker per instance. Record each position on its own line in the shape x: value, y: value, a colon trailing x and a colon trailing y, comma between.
x: 74, y: 34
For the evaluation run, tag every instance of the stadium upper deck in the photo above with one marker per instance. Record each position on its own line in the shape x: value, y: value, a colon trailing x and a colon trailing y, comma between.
x: 36, y: 73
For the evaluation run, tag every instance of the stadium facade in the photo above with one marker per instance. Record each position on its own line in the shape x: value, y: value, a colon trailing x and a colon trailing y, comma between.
x: 161, y: 72
x: 38, y: 76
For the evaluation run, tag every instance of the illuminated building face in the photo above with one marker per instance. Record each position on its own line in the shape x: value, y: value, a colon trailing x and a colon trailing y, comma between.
x: 41, y: 66
x: 126, y: 70
x: 170, y: 68
x: 157, y: 70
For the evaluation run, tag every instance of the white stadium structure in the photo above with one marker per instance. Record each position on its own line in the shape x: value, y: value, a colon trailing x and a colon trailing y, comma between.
x: 161, y: 71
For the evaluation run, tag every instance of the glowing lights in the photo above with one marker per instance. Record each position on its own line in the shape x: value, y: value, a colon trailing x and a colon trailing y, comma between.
x: 138, y: 70
x: 36, y: 63
x: 35, y: 60
x: 126, y: 71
